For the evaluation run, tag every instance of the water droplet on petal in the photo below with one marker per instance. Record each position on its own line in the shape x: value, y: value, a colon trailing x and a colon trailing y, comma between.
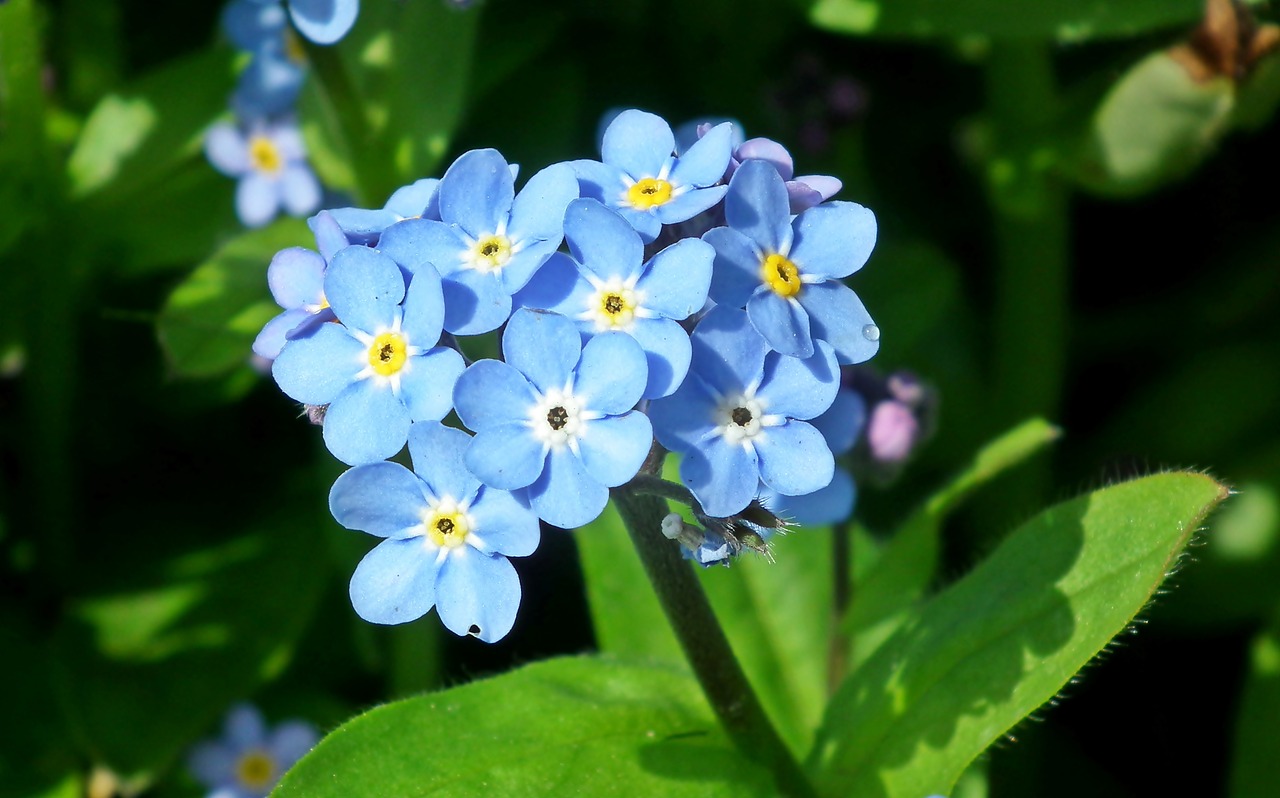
x: 871, y: 332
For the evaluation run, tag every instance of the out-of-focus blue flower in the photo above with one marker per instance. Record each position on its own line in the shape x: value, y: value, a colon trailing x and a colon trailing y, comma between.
x: 642, y: 178
x: 606, y: 286
x: 378, y: 368
x: 447, y: 538
x: 738, y: 416
x: 270, y: 162
x: 489, y: 240
x: 418, y: 200
x: 248, y: 760
x: 270, y: 84
x: 296, y: 278
x: 787, y: 273
x: 840, y: 426
x: 324, y: 21
x: 556, y: 417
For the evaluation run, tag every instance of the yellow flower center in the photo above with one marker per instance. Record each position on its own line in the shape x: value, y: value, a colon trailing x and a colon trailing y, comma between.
x: 649, y: 193
x: 447, y: 524
x: 256, y: 770
x: 293, y: 48
x: 781, y: 275
x: 491, y: 253
x: 264, y: 155
x: 388, y: 353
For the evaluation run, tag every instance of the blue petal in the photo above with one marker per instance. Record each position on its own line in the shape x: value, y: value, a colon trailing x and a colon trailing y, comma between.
x: 269, y: 86
x: 478, y: 595
x: 296, y: 277
x: 689, y: 204
x: 682, y: 421
x: 783, y: 323
x: 364, y: 288
x: 601, y: 240
x: 274, y: 334
x: 566, y: 495
x: 763, y: 149
x: 244, y: 727
x: 490, y: 393
x: 614, y: 448
x: 706, y: 161
x: 476, y: 192
x: 290, y: 741
x: 524, y: 264
x: 383, y: 499
x: 299, y: 190
x: 436, y: 451
x: 757, y: 206
x: 324, y: 21
x: 537, y: 213
x: 599, y: 181
x: 329, y: 235
x: 800, y: 388
x: 667, y: 353
x: 257, y: 200
x: 728, y: 353
x: 412, y: 201
x: 833, y: 240
x: 543, y: 347
x: 676, y: 281
x: 226, y: 149
x: 612, y: 374
x: 794, y: 459
x: 736, y: 271
x: 213, y: 763
x: 363, y: 226
x: 396, y: 581
x: 365, y: 423
x: 423, y: 309
x: 313, y: 369
x: 474, y: 303
x: 505, y: 524
x: 722, y: 476
x: 506, y: 456
x: 638, y: 143
x: 418, y: 244
x: 557, y: 286
x: 828, y: 505
x: 837, y: 316
x: 427, y: 382
x: 250, y: 24
x: 843, y: 422
x: 643, y: 222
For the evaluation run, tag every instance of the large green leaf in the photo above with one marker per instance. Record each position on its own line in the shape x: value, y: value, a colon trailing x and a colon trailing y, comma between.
x: 1005, y: 639
x: 208, y: 324
x: 1255, y: 771
x: 1065, y: 20
x: 572, y: 726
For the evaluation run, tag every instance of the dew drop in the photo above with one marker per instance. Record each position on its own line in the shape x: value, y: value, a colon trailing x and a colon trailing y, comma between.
x: 871, y: 332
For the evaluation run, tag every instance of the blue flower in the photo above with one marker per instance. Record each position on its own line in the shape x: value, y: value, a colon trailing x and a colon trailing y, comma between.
x: 324, y: 21
x: 418, y: 200
x: 489, y: 241
x: 787, y: 272
x: 296, y: 278
x: 642, y: 178
x: 270, y: 84
x: 447, y: 538
x: 605, y: 287
x: 375, y: 368
x: 840, y: 426
x: 270, y: 162
x: 738, y: 416
x: 248, y: 760
x: 556, y: 417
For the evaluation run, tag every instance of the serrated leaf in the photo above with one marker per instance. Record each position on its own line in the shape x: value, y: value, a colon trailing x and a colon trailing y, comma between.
x: 571, y: 726
x: 208, y: 324
x: 1064, y: 20
x: 1004, y: 639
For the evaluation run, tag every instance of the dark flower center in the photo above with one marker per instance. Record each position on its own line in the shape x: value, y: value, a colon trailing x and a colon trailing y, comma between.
x: 557, y: 417
x: 741, y: 416
x: 386, y: 353
x: 445, y: 525
x: 613, y: 304
x: 490, y: 249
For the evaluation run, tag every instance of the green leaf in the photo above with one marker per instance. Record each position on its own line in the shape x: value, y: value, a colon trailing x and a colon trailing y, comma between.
x: 35, y: 755
x: 208, y: 324
x: 1255, y: 770
x: 172, y: 629
x: 571, y: 726
x: 1064, y: 20
x: 1004, y: 639
x: 884, y: 598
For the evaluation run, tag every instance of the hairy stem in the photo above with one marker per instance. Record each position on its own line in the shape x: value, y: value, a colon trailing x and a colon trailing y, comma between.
x: 704, y: 642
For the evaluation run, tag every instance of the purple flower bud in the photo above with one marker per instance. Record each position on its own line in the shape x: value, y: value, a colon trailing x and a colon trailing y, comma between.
x: 892, y: 432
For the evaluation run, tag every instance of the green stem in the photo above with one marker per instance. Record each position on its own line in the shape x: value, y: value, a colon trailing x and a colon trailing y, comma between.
x: 840, y: 647
x: 704, y: 642
x: 373, y: 180
x: 651, y: 485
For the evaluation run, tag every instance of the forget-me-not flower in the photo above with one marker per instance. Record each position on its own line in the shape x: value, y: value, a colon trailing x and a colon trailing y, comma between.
x: 606, y: 286
x: 489, y: 240
x: 378, y: 368
x: 642, y: 178
x: 556, y: 417
x: 296, y: 279
x: 738, y: 418
x: 270, y: 84
x: 418, y: 200
x: 270, y: 162
x: 787, y: 272
x: 448, y: 538
x: 248, y: 760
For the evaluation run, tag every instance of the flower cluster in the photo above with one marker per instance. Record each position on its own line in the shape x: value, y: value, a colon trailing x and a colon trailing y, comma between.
x: 620, y: 338
x: 248, y: 759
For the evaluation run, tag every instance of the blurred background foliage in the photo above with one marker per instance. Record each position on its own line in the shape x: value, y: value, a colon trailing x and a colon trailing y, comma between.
x: 1077, y: 220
